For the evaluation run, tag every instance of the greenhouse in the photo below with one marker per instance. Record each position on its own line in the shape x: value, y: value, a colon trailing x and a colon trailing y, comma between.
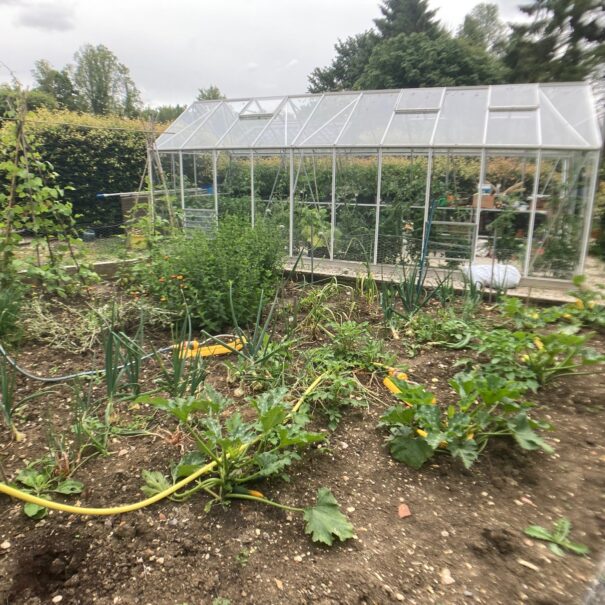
x: 472, y: 174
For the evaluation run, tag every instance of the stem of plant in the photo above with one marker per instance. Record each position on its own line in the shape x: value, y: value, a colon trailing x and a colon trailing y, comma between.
x: 265, y: 501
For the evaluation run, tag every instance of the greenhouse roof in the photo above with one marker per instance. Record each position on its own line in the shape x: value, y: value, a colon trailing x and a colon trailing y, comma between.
x: 519, y: 116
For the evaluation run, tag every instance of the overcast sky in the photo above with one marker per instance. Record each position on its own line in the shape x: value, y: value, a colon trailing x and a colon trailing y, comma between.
x: 174, y: 47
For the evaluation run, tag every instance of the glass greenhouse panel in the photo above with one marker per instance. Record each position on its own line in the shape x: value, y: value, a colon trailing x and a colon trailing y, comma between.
x: 577, y: 105
x: 243, y: 133
x: 355, y: 202
x: 411, y: 129
x: 265, y: 107
x: 514, y: 95
x: 327, y: 120
x: 272, y: 190
x: 462, y: 118
x: 505, y: 218
x: 556, y: 130
x: 198, y: 180
x: 210, y: 132
x: 233, y: 184
x: 184, y: 125
x: 402, y: 198
x: 369, y: 120
x: 453, y: 202
x: 561, y: 203
x: 312, y: 204
x: 512, y: 128
x: 425, y: 99
x: 288, y: 122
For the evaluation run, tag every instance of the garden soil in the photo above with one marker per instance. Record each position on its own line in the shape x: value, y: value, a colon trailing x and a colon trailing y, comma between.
x: 440, y: 535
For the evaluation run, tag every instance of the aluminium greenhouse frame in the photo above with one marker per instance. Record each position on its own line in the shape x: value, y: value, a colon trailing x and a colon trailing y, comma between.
x: 552, y: 128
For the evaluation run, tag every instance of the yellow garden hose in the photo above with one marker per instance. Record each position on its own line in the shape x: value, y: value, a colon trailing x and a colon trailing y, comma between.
x: 114, y: 510
x: 194, y: 349
x: 127, y: 508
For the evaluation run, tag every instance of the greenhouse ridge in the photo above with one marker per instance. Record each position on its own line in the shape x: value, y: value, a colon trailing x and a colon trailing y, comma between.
x: 519, y: 116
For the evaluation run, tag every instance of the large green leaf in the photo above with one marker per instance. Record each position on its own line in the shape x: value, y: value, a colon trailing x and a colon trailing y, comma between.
x: 465, y: 450
x: 324, y: 520
x: 525, y: 436
x: 34, y: 511
x: 187, y: 465
x: 397, y: 415
x: 289, y: 435
x: 272, y: 463
x: 33, y: 479
x: 272, y: 417
x: 538, y: 532
x: 414, y: 451
x: 69, y: 486
x: 155, y: 483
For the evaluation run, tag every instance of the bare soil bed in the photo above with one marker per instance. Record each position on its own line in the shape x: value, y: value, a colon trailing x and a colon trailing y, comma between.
x: 463, y: 542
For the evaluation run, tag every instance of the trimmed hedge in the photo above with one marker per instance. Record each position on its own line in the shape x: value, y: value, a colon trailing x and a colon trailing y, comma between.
x: 93, y: 154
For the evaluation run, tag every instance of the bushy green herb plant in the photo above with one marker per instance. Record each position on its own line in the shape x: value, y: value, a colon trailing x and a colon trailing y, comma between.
x: 192, y: 272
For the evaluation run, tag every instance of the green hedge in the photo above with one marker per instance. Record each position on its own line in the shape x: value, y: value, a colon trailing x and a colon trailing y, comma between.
x: 93, y: 154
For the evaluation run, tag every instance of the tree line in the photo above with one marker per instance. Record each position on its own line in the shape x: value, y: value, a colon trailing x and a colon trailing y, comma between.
x: 96, y: 83
x: 559, y: 40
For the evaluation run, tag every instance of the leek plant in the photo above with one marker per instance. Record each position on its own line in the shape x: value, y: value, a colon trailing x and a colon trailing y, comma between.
x: 183, y: 375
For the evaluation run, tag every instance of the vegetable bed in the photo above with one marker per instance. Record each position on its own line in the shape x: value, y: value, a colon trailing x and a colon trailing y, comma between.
x: 446, y: 525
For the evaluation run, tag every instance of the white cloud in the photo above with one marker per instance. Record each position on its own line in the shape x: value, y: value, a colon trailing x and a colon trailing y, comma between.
x: 48, y: 17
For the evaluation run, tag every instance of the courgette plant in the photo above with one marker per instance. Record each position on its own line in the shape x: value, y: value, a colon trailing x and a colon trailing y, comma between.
x: 243, y: 452
x: 488, y: 406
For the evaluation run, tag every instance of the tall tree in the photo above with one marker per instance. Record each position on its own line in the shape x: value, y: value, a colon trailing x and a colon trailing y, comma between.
x: 483, y: 27
x: 103, y: 83
x: 564, y: 41
x: 34, y: 99
x: 212, y: 93
x: 415, y: 60
x: 407, y: 17
x: 55, y: 83
x: 163, y: 113
x: 352, y: 56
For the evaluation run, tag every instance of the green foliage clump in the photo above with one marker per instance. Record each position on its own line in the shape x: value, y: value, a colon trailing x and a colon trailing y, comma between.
x: 93, y: 154
x: 410, y: 61
x: 351, y: 348
x: 488, y: 406
x: 32, y: 203
x: 11, y: 302
x: 194, y: 271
